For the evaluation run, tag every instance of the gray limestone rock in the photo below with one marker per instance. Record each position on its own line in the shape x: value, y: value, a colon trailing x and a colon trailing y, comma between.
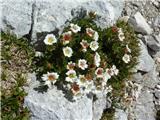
x: 151, y: 78
x: 144, y: 107
x: 120, y: 115
x: 146, y: 63
x: 52, y: 105
x: 98, y: 106
x: 156, y: 22
x: 139, y: 24
x: 16, y: 16
x: 153, y: 42
x: 52, y: 15
x: 157, y: 94
x: 33, y: 17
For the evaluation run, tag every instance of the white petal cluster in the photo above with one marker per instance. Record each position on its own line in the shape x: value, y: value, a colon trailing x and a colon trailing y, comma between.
x: 97, y: 59
x: 67, y: 51
x: 113, y: 71
x: 84, y: 45
x: 99, y: 72
x: 70, y: 65
x: 75, y: 28
x: 126, y: 58
x: 128, y: 49
x: 50, y: 78
x: 50, y: 39
x: 82, y: 63
x: 121, y: 34
x: 38, y: 54
x: 71, y: 76
x: 66, y: 37
x: 92, y: 33
x: 94, y: 45
x: 95, y: 79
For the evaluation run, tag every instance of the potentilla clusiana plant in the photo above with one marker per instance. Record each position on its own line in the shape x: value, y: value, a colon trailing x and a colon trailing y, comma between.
x: 76, y: 60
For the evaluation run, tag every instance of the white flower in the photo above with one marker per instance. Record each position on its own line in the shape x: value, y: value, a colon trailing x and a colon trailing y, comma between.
x: 75, y: 28
x: 89, y: 87
x: 104, y: 83
x: 128, y: 49
x: 71, y: 76
x: 97, y: 59
x: 50, y: 78
x: 92, y: 33
x: 110, y: 71
x: 68, y: 79
x: 67, y: 37
x: 94, y: 45
x: 38, y: 54
x: 109, y: 89
x: 75, y: 89
x: 84, y: 45
x: 50, y: 39
x: 81, y: 80
x: 67, y: 51
x: 106, y: 75
x: 96, y: 36
x: 82, y: 63
x: 121, y: 34
x: 115, y: 70
x: 99, y: 72
x: 120, y: 30
x: 97, y: 90
x: 126, y: 58
x: 71, y: 65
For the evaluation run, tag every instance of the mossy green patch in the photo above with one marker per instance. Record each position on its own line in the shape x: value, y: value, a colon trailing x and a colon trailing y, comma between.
x: 16, y: 60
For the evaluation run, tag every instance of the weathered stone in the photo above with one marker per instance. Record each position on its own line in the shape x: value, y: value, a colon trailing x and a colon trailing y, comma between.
x: 144, y: 106
x: 153, y: 42
x: 52, y: 105
x: 120, y: 115
x: 139, y: 24
x: 157, y: 94
x: 46, y: 20
x: 98, y: 106
x: 151, y: 78
x: 146, y: 63
x: 158, y: 86
x: 137, y: 77
x: 33, y: 16
x: 156, y: 22
x: 124, y: 19
x: 16, y: 16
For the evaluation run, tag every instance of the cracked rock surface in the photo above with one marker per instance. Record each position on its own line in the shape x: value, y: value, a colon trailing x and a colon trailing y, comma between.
x: 33, y: 17
x: 52, y: 105
x: 143, y: 90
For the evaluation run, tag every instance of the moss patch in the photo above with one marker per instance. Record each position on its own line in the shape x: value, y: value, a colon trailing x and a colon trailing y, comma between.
x: 16, y: 61
x: 116, y: 50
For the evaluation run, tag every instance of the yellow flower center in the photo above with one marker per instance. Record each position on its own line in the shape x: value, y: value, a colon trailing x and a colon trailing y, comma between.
x: 72, y: 75
x: 50, y: 39
x: 82, y: 79
x: 67, y: 51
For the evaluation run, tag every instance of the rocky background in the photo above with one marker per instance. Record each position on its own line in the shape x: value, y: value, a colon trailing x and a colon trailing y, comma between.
x: 33, y: 19
x: 143, y: 92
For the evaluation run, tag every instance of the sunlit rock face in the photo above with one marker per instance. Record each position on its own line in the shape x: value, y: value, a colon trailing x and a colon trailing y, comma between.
x: 25, y: 17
